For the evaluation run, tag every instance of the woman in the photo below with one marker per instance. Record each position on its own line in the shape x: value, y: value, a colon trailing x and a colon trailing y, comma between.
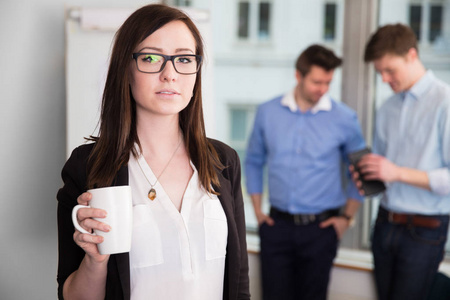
x: 189, y: 228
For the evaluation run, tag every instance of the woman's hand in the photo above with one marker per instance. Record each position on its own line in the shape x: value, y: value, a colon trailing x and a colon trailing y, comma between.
x: 85, y: 217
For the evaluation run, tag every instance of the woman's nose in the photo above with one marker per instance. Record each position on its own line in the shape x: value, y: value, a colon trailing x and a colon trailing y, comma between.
x: 169, y: 73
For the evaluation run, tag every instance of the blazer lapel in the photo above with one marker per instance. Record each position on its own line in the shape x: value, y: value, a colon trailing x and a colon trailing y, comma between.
x: 232, y: 263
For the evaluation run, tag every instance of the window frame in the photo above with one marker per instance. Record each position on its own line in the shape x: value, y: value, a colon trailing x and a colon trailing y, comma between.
x: 254, y: 22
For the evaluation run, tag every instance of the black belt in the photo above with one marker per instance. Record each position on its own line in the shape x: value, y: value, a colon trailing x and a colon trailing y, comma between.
x: 303, y: 219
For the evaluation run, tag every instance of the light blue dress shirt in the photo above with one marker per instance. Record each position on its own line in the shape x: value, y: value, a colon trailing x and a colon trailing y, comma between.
x: 303, y: 152
x: 413, y: 130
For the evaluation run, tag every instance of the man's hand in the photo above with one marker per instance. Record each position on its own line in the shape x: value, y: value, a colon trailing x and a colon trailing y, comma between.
x: 374, y: 167
x: 377, y: 167
x: 340, y: 225
x: 263, y: 218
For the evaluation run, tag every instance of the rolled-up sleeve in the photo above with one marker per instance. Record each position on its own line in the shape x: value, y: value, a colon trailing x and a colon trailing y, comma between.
x: 256, y: 156
x: 439, y: 181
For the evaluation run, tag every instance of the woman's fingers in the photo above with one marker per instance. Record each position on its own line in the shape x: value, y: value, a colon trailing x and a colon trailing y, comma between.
x: 85, y: 238
x: 88, y: 243
x: 85, y: 216
x: 89, y: 212
x: 89, y: 224
x: 86, y: 219
x: 84, y: 198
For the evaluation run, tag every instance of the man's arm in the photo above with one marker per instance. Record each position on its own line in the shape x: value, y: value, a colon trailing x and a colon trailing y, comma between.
x: 254, y: 166
x: 260, y: 215
x: 377, y: 167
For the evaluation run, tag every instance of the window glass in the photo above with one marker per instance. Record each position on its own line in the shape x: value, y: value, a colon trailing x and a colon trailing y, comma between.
x: 264, y: 20
x: 415, y: 19
x: 243, y: 20
x: 435, y: 22
x: 238, y: 124
x: 330, y: 21
x: 182, y: 2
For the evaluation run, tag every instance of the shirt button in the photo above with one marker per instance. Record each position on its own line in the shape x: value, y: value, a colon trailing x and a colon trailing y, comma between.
x: 299, y: 151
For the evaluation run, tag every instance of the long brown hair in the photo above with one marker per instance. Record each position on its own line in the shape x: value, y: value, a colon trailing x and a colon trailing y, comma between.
x: 117, y: 133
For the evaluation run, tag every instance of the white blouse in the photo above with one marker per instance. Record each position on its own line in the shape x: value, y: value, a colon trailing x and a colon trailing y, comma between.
x: 175, y: 255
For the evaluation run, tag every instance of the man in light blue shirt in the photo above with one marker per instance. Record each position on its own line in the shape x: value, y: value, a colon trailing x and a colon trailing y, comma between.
x: 303, y: 137
x: 412, y: 146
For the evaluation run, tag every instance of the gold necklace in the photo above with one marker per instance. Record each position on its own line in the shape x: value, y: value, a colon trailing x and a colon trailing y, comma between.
x: 152, y: 192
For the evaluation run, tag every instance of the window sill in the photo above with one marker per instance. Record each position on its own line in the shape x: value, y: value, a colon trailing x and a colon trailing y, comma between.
x: 360, y: 260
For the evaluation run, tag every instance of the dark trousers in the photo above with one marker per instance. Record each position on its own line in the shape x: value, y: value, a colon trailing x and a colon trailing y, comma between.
x: 406, y: 257
x: 296, y: 260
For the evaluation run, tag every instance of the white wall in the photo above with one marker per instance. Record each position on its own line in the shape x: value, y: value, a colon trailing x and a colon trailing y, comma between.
x: 32, y: 131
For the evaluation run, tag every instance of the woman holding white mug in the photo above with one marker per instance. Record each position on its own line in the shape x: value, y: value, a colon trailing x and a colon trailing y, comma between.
x: 188, y: 236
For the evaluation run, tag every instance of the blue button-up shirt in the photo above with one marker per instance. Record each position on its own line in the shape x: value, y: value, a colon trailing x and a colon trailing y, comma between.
x: 413, y: 130
x: 303, y: 152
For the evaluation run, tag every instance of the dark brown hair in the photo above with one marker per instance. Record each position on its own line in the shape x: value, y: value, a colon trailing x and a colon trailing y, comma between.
x: 390, y: 39
x: 118, y: 133
x: 318, y: 56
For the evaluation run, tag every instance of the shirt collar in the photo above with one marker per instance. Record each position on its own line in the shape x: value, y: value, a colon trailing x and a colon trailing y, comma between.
x: 421, y: 86
x: 324, y: 103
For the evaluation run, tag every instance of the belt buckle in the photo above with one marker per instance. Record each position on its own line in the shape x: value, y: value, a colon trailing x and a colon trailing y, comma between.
x: 300, y: 219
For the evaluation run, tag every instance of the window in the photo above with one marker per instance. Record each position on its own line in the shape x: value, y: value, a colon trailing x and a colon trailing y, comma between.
x: 183, y: 2
x: 264, y: 20
x: 426, y: 20
x: 241, y: 124
x: 415, y: 19
x: 243, y: 25
x: 241, y: 118
x: 329, y: 32
x: 435, y: 22
x: 254, y: 18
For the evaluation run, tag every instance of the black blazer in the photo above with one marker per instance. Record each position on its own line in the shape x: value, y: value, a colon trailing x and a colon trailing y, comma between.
x: 236, y: 281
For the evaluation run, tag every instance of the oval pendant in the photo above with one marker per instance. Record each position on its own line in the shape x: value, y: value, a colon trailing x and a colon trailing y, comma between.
x: 152, y: 194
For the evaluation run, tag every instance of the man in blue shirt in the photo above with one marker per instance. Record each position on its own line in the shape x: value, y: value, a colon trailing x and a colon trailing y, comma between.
x: 303, y: 137
x: 412, y: 146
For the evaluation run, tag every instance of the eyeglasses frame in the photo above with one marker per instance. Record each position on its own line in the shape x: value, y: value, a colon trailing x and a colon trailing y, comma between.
x: 166, y: 59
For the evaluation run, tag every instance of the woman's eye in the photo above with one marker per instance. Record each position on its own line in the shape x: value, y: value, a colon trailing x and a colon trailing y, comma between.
x: 151, y: 58
x: 184, y: 59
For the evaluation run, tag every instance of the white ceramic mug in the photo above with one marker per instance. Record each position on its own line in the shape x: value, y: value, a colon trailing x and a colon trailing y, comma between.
x: 116, y: 201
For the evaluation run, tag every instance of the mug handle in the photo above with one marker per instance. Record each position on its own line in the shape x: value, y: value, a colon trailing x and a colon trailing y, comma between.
x: 75, y: 220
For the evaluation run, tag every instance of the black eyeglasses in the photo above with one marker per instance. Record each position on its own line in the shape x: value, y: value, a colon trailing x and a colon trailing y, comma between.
x: 185, y: 64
